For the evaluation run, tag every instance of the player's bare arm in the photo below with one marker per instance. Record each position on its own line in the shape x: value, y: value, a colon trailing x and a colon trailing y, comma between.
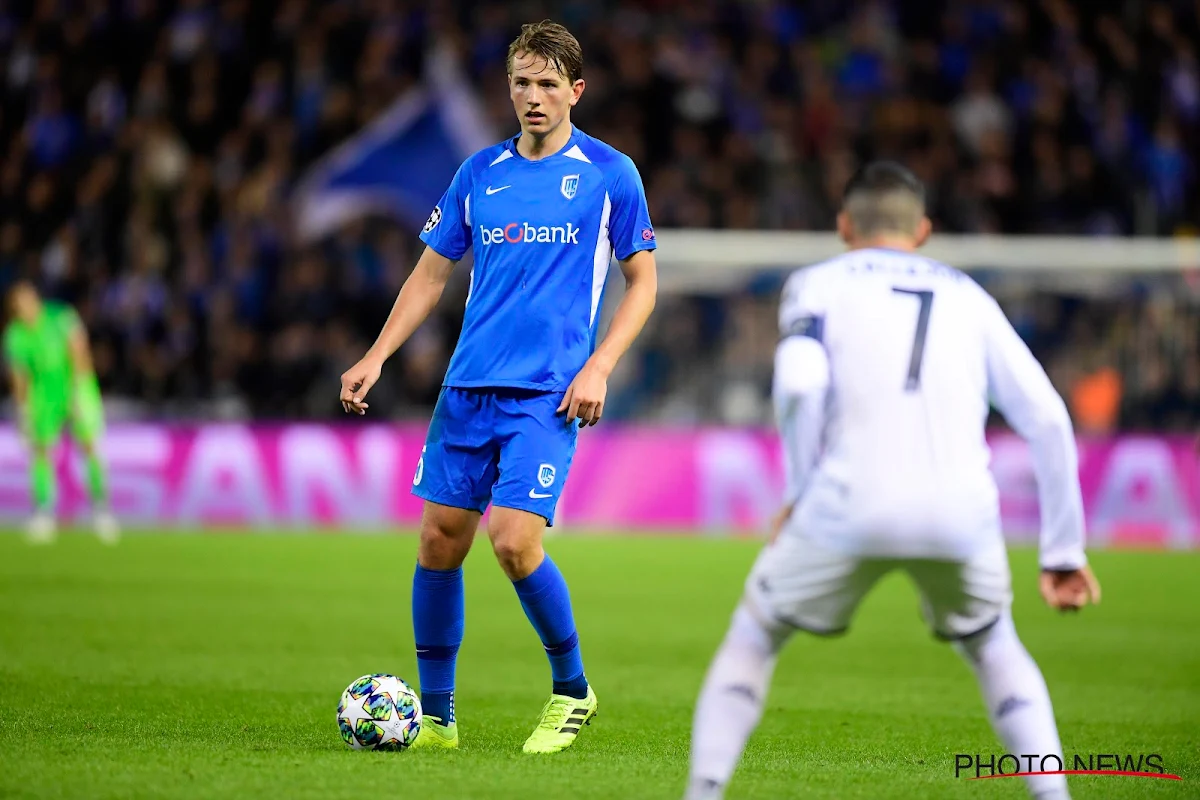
x: 20, y: 385
x: 20, y: 389
x: 80, y: 352
x: 584, y: 399
x: 417, y: 299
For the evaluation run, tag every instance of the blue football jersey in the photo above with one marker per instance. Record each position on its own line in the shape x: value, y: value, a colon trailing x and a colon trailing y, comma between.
x: 544, y: 233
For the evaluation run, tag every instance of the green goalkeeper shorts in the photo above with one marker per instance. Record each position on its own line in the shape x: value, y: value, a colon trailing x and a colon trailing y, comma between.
x: 81, y: 406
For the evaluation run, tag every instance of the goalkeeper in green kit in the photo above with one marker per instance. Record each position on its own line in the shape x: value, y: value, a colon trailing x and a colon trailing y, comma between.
x: 50, y: 367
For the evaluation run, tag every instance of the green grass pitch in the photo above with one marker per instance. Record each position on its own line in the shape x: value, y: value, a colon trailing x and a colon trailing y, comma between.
x: 210, y: 667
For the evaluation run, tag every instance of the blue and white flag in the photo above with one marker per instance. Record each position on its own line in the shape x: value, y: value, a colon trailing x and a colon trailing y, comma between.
x: 400, y: 164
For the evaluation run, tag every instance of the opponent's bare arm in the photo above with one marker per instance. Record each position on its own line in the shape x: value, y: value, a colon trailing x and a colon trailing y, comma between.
x: 417, y: 299
x: 586, y: 395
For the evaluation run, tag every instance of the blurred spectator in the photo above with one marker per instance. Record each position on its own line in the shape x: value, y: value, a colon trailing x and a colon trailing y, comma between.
x: 1096, y: 401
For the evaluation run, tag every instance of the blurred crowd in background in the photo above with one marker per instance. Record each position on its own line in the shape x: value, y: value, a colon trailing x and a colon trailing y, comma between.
x: 148, y: 150
x: 1127, y: 359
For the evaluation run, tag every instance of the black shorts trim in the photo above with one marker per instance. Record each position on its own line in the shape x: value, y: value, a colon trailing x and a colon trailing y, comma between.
x: 948, y: 638
x: 823, y: 632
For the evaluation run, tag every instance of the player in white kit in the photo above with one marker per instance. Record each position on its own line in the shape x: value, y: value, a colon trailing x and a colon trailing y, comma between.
x: 884, y: 375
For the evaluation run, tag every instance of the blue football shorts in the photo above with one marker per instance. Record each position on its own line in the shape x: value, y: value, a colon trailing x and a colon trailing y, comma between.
x: 509, y: 447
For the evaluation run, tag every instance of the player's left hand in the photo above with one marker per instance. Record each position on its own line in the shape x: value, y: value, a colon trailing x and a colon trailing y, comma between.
x: 585, y: 396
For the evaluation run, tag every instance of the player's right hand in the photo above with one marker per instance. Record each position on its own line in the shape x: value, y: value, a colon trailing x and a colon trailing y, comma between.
x: 356, y: 382
x: 1069, y: 590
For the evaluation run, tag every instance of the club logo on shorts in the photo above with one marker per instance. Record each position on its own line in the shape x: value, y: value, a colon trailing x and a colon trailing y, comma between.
x: 434, y: 218
x: 570, y: 185
x: 546, y: 475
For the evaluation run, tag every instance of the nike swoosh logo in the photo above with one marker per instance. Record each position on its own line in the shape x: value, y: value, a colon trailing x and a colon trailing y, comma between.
x: 533, y: 495
x: 489, y: 190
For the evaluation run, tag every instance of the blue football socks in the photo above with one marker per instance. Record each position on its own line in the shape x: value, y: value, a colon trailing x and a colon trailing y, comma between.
x: 438, y: 621
x: 547, y: 603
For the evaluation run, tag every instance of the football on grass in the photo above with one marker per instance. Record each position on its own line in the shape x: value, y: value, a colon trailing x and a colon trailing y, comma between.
x: 379, y: 712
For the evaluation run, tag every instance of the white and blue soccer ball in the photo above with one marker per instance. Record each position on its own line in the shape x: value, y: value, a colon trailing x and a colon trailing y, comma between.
x: 379, y: 712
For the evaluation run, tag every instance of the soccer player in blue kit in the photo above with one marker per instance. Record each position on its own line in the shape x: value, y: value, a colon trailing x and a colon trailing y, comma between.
x: 545, y: 212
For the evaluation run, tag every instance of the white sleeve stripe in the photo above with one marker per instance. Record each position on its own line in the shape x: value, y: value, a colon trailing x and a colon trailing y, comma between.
x: 600, y: 260
x: 467, y: 210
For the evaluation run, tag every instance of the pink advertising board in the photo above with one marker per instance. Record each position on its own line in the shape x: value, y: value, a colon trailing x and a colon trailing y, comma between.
x: 1137, y: 490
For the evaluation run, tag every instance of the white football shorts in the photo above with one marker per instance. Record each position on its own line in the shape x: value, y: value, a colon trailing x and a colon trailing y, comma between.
x: 796, y: 584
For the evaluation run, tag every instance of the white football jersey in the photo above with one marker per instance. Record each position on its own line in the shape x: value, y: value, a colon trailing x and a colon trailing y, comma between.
x: 888, y: 457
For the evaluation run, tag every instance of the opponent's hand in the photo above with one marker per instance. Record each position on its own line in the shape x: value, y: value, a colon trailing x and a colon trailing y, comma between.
x: 1069, y: 590
x: 585, y: 396
x: 356, y: 382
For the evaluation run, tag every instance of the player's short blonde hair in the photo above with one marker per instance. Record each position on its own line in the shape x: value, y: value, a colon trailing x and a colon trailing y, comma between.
x: 553, y: 42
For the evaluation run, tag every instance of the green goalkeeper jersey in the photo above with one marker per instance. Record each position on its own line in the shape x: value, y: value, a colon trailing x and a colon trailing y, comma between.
x: 42, y: 352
